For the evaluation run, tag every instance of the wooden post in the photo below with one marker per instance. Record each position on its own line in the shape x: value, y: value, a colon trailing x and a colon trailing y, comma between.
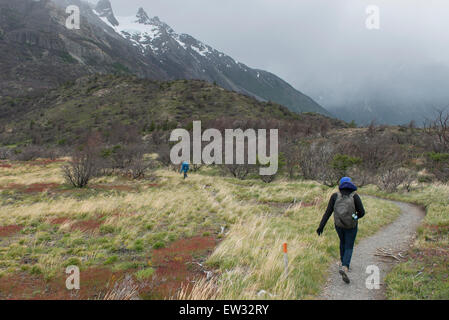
x: 285, y: 259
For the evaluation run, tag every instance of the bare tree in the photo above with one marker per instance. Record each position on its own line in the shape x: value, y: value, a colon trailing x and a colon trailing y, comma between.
x: 138, y: 167
x: 80, y: 170
x: 315, y: 163
x: 391, y: 178
x: 239, y: 171
x: 292, y: 155
x: 164, y: 157
x: 439, y: 129
x: 29, y: 153
x: 84, y: 163
x: 5, y: 153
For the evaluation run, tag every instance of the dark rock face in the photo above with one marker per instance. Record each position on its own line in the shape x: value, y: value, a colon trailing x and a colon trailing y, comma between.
x: 39, y: 52
x: 104, y: 9
x: 142, y: 16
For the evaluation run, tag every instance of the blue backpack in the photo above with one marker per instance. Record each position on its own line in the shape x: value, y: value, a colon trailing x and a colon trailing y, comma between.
x: 185, y: 166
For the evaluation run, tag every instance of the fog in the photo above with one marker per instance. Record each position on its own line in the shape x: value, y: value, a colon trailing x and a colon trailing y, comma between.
x: 323, y: 48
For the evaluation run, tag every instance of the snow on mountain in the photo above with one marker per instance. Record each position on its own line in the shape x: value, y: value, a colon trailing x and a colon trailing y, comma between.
x: 153, y: 34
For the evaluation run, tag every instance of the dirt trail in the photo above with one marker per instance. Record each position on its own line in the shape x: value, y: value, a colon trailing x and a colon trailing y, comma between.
x: 396, y: 236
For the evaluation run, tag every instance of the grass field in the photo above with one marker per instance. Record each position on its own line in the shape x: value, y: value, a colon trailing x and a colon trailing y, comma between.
x: 157, y: 235
x: 425, y: 274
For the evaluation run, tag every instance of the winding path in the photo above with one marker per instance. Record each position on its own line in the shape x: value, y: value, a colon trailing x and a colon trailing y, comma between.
x: 396, y: 236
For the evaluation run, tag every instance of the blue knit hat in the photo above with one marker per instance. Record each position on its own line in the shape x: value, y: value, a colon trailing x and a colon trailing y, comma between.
x: 345, y: 179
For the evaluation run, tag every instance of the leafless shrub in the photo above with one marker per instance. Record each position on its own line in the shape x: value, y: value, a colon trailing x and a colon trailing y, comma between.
x: 123, y: 156
x: 315, y: 162
x: 292, y: 155
x: 362, y: 176
x: 371, y: 132
x: 80, y: 170
x: 137, y: 169
x: 30, y: 153
x: 53, y: 153
x: 391, y: 178
x: 239, y: 171
x: 438, y: 128
x: 84, y: 163
x: 5, y: 153
x: 409, y: 180
x: 268, y: 178
x: 438, y: 165
x: 164, y: 157
x: 196, y: 167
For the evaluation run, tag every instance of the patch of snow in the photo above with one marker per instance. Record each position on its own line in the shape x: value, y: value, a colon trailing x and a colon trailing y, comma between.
x: 182, y: 44
x: 201, y: 51
x: 139, y: 34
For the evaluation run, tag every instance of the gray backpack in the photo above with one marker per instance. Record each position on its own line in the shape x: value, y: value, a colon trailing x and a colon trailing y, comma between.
x: 344, y: 208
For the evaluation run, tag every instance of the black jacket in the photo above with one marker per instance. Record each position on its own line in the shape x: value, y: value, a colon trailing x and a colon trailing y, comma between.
x: 330, y: 207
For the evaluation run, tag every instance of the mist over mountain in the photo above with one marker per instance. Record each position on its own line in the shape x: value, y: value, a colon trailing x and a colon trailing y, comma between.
x: 403, y: 95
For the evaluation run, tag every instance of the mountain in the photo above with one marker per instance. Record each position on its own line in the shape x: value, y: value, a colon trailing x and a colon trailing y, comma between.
x: 39, y: 52
x: 184, y: 57
x: 107, y: 102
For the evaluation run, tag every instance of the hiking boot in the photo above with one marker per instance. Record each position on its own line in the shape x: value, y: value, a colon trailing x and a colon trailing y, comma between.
x: 343, y: 271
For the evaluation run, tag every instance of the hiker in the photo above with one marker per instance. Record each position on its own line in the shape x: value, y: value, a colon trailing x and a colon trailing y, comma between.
x: 348, y: 209
x: 184, y: 168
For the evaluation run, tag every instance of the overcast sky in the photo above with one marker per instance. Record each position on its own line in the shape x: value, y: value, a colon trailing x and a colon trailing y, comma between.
x: 322, y: 47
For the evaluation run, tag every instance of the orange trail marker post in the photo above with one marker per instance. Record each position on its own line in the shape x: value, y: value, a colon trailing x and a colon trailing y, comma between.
x: 285, y: 259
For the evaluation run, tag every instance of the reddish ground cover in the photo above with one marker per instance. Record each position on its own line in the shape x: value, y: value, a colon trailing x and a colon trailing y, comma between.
x: 438, y: 229
x: 154, y: 185
x: 31, y: 188
x: 94, y: 284
x: 59, y: 220
x: 87, y: 225
x: 175, y: 265
x: 7, y: 231
x: 82, y: 225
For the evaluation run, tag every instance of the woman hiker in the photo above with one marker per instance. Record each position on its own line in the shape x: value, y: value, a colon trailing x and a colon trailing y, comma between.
x: 348, y: 209
x: 184, y: 168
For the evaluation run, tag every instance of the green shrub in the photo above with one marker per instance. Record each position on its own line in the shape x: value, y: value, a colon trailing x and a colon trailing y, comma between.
x: 144, y: 273
x: 138, y: 245
x: 342, y: 163
x: 72, y: 262
x: 105, y: 229
x: 111, y: 260
x: 158, y: 245
x: 35, y: 270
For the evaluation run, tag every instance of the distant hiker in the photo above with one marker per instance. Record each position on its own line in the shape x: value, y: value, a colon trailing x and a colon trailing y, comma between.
x: 348, y: 209
x: 185, y: 168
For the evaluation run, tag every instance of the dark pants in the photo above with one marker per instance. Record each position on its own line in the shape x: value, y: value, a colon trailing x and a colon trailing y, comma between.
x: 185, y: 174
x: 347, y: 239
